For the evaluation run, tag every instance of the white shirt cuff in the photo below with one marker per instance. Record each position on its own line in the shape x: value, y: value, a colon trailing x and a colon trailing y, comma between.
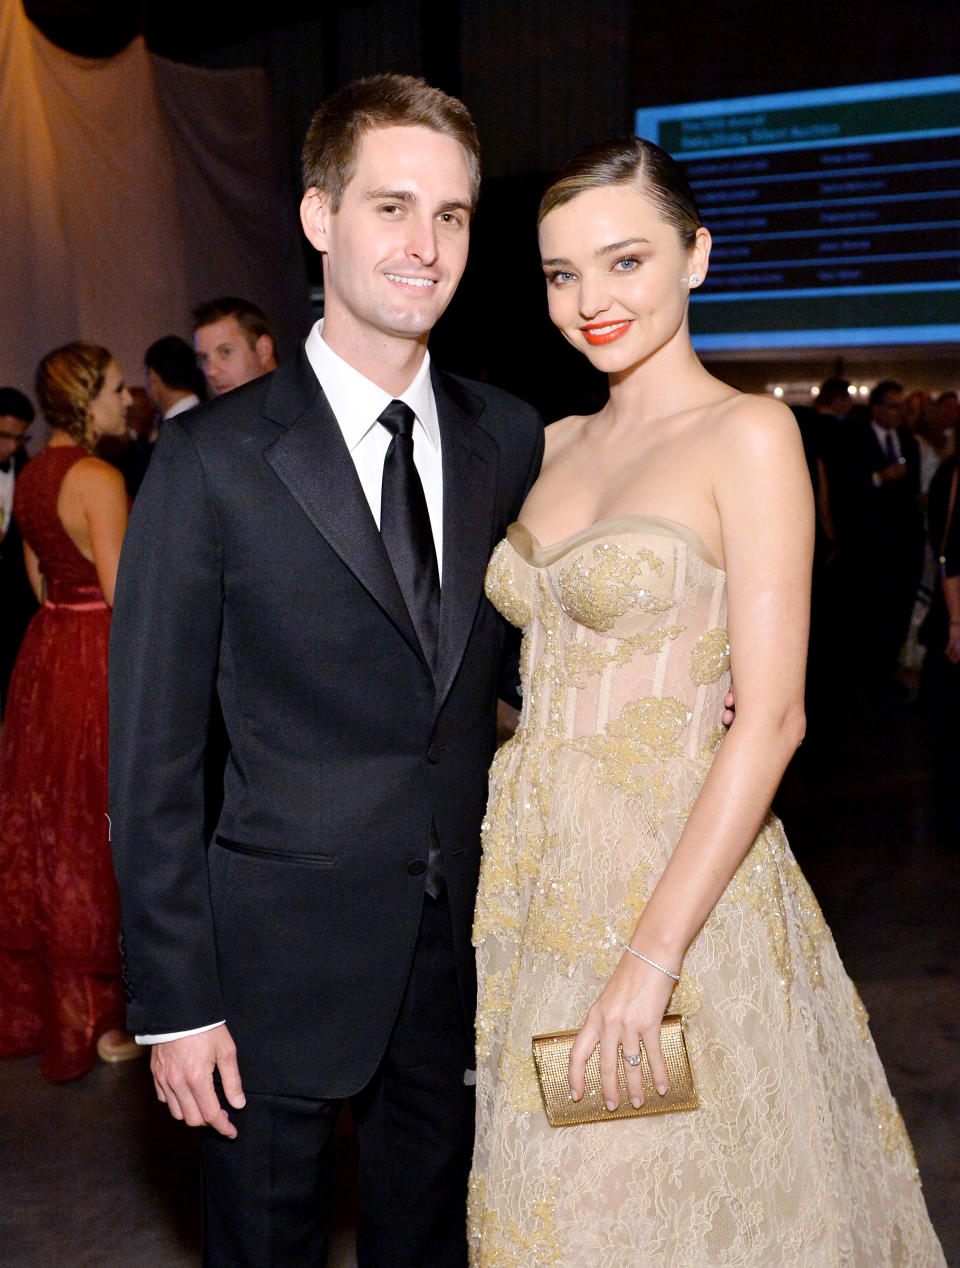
x: 177, y: 1034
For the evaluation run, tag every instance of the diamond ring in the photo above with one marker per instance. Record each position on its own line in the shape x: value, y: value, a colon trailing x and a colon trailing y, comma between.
x: 633, y: 1059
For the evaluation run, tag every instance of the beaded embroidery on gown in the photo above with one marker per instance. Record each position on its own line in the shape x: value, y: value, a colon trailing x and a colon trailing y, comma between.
x: 798, y: 1154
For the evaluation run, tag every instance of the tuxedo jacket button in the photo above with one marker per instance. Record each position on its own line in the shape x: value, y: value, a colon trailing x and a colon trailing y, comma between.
x: 417, y: 867
x: 434, y: 753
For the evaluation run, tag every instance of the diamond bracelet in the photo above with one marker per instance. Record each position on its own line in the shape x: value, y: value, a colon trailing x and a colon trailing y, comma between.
x: 674, y: 977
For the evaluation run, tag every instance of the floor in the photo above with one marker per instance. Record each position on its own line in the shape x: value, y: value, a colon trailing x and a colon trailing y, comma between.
x: 96, y: 1174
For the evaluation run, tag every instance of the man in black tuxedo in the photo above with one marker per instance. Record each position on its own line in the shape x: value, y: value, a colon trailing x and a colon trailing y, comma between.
x: 879, y: 526
x: 17, y: 602
x: 311, y: 547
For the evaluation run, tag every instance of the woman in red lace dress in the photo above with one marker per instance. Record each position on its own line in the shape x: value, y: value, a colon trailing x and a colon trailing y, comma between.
x: 60, y: 988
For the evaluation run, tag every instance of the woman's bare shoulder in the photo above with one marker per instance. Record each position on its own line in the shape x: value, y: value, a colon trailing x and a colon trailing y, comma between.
x: 756, y: 439
x: 747, y: 408
x: 745, y: 421
x: 92, y: 475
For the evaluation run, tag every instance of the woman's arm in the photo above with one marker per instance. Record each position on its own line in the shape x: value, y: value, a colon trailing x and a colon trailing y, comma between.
x: 34, y: 575
x: 764, y: 498
x: 103, y: 498
x: 951, y: 596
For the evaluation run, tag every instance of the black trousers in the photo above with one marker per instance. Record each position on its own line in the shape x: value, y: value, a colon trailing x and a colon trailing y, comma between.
x: 267, y: 1194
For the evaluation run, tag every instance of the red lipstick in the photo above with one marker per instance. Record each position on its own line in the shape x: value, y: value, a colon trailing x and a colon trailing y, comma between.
x: 605, y: 332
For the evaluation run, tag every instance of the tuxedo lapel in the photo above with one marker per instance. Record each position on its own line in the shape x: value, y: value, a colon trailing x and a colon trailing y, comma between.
x: 469, y: 500
x: 312, y: 460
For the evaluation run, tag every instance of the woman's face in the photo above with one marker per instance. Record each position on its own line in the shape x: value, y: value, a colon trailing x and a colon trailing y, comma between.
x: 617, y: 275
x: 107, y: 412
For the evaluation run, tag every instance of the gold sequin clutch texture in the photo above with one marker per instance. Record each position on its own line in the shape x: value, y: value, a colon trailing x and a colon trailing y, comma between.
x: 551, y: 1055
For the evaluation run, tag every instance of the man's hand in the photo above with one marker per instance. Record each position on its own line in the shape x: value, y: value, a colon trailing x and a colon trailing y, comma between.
x: 183, y: 1076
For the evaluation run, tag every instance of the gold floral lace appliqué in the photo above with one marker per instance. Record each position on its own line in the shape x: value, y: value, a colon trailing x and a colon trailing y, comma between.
x: 597, y: 594
x: 710, y: 658
x: 515, y: 1244
x: 764, y: 879
x: 502, y: 590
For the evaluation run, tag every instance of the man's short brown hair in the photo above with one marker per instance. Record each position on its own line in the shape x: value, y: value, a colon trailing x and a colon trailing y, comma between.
x: 383, y: 101
x: 251, y: 319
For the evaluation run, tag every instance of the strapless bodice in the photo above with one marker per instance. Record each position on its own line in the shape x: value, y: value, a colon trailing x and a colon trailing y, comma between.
x: 624, y: 623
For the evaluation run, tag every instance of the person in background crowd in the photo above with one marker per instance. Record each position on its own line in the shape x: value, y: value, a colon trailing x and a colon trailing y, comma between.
x: 935, y: 443
x: 879, y: 525
x: 17, y: 601
x: 233, y: 342
x: 823, y: 432
x: 174, y: 384
x: 174, y: 381
x: 916, y: 407
x: 940, y: 682
x: 833, y: 399
x: 948, y: 417
x: 60, y: 987
x: 916, y: 416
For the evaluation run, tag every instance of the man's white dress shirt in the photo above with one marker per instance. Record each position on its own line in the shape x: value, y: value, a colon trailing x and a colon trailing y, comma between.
x: 181, y: 406
x: 7, y: 479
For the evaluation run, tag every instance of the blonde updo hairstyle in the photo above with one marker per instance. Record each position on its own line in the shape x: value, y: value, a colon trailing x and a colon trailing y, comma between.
x: 634, y: 162
x: 68, y: 379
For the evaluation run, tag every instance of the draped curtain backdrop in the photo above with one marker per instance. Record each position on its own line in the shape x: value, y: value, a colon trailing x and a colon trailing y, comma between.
x: 133, y: 189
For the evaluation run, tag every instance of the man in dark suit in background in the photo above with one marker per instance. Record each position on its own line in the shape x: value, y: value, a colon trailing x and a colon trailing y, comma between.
x: 312, y: 548
x: 17, y: 601
x: 174, y: 384
x: 823, y: 430
x: 173, y: 380
x: 879, y: 526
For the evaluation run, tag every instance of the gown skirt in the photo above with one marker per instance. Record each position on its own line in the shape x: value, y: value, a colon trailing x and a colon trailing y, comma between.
x: 797, y: 1154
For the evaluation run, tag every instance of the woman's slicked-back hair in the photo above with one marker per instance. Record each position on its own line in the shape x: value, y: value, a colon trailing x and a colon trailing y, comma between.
x: 632, y: 161
x: 384, y: 101
x: 68, y: 379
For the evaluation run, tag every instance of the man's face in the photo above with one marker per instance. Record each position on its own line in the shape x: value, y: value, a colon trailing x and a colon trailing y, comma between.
x: 12, y: 432
x: 225, y: 356
x: 887, y: 412
x: 396, y: 249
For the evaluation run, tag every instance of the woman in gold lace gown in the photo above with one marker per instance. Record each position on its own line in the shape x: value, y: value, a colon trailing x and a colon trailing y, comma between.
x: 629, y: 841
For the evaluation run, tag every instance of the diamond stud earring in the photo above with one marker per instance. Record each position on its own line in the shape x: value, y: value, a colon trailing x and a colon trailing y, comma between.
x: 694, y: 279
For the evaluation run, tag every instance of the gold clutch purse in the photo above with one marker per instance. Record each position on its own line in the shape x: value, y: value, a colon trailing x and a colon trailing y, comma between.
x: 551, y: 1055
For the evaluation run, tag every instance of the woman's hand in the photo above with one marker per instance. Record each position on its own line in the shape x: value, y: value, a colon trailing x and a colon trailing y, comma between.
x: 628, y: 1011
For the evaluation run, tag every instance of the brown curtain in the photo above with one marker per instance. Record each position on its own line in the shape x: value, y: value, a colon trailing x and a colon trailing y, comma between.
x: 133, y: 189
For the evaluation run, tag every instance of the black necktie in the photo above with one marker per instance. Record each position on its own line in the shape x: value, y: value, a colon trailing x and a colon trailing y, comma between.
x: 405, y: 528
